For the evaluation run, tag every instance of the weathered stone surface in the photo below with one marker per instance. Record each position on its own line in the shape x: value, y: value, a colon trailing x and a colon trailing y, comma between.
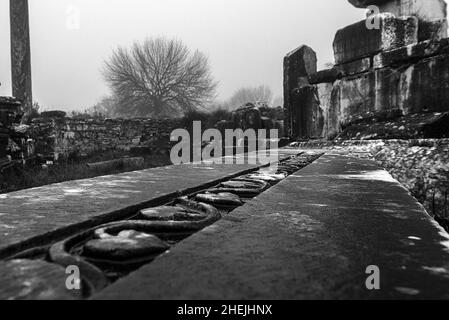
x: 105, y: 165
x: 9, y: 102
x: 421, y: 87
x: 10, y: 115
x: 356, y: 67
x: 34, y: 280
x: 415, y: 126
x: 325, y: 76
x: 126, y: 245
x: 300, y: 63
x: 376, y: 116
x: 20, y: 52
x: 311, y: 236
x: 271, y: 178
x: 426, y: 10
x: 56, y: 114
x: 430, y: 13
x: 416, y: 88
x: 117, y: 163
x: 357, y: 41
x: 306, y: 117
x: 37, y: 215
x: 420, y: 165
x: 411, y: 53
x: 356, y: 96
x: 133, y: 162
x: 239, y: 184
x: 224, y: 198
x: 378, y: 70
x: 10, y: 112
x: 424, y: 87
x: 62, y: 138
x: 4, y: 138
x: 298, y: 66
x: 241, y: 188
x: 326, y: 107
x: 434, y: 30
x: 171, y: 213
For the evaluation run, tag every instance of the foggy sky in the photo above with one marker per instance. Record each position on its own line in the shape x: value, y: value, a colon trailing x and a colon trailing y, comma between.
x: 245, y: 40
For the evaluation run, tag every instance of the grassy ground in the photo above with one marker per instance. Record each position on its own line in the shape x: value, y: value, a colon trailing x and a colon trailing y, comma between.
x: 30, y: 177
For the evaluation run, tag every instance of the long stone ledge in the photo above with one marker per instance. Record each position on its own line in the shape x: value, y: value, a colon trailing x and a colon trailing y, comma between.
x: 35, y: 217
x: 312, y: 236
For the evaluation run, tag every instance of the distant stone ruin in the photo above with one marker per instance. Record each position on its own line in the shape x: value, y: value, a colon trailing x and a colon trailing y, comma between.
x: 62, y: 138
x: 10, y: 115
x: 398, y: 69
x: 21, y: 52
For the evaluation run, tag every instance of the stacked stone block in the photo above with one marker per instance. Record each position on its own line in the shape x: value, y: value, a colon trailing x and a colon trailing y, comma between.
x: 400, y: 66
x: 10, y: 114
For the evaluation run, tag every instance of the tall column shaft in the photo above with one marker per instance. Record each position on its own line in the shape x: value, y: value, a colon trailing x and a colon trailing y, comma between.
x: 21, y: 52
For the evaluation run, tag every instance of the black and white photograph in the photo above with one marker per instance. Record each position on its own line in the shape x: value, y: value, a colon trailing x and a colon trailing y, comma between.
x: 224, y: 155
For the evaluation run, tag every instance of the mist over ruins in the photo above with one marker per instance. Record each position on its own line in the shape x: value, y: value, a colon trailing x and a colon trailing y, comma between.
x: 167, y: 188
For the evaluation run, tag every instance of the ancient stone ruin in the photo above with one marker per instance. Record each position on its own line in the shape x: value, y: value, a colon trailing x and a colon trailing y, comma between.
x: 10, y: 115
x: 307, y: 226
x: 61, y: 138
x: 399, y: 69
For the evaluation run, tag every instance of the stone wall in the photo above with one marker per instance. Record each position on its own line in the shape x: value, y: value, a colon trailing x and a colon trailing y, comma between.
x: 402, y: 66
x: 56, y: 136
x: 65, y: 137
x: 10, y: 114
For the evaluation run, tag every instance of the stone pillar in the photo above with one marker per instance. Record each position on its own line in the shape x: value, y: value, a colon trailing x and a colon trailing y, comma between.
x: 21, y: 53
x: 298, y: 66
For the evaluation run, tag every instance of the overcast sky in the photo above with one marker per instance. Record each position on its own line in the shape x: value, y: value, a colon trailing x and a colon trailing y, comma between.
x: 244, y: 39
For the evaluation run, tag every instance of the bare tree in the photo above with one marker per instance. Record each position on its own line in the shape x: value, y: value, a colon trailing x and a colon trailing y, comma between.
x: 261, y: 94
x: 159, y: 78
